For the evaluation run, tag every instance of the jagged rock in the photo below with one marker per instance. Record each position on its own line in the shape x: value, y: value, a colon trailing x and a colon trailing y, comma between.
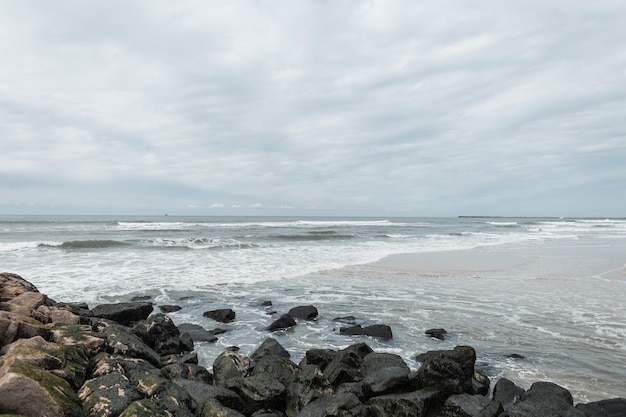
x: 216, y: 409
x: 318, y: 357
x: 33, y: 375
x: 381, y: 331
x: 14, y: 326
x: 436, y: 333
x: 268, y: 412
x: 423, y: 402
x: 480, y: 384
x: 121, y: 341
x: 466, y: 405
x: 187, y: 371
x: 191, y: 358
x: 229, y: 365
x: 276, y: 367
x: 448, y: 370
x: 202, y: 394
x: 345, y: 367
x: 198, y: 333
x: 259, y: 391
x: 169, y: 308
x: 614, y: 407
x: 270, y: 346
x: 145, y: 408
x: 384, y: 373
x: 304, y: 312
x: 506, y: 392
x: 123, y: 313
x: 338, y: 405
x: 160, y: 333
x: 309, y: 385
x: 223, y: 315
x: 282, y: 323
x: 544, y: 399
x: 108, y: 395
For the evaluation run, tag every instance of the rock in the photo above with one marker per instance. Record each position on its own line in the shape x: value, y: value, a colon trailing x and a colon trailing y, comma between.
x: 22, y: 298
x: 345, y: 367
x: 229, y: 365
x: 384, y: 373
x: 169, y: 308
x: 381, y: 331
x: 33, y: 375
x: 108, y: 395
x: 216, y: 409
x: 318, y: 357
x: 223, y: 315
x: 448, y: 370
x: 187, y: 371
x: 506, y: 392
x: 270, y: 346
x: 198, y: 333
x: 466, y: 405
x: 544, y: 399
x: 436, y: 333
x: 145, y: 408
x: 480, y: 384
x: 268, y: 412
x: 191, y: 358
x: 284, y: 322
x: 309, y: 385
x: 160, y: 333
x: 423, y: 402
x: 275, y: 367
x: 123, y: 313
x: 338, y: 405
x: 202, y: 394
x: 304, y: 312
x: 346, y: 319
x: 259, y: 391
x: 14, y: 326
x: 614, y: 407
x: 121, y: 341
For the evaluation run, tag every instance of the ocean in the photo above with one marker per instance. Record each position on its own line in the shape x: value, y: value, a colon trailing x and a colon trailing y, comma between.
x: 538, y: 298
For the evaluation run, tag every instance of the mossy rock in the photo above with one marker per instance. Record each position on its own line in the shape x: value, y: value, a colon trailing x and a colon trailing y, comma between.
x: 27, y: 389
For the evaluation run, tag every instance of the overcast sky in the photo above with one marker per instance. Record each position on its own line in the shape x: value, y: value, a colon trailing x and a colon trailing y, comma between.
x: 342, y: 107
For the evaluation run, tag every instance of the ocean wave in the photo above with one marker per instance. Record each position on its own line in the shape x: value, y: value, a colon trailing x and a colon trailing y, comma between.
x: 505, y: 224
x: 18, y: 246
x: 197, y: 243
x: 316, y: 224
x: 313, y: 237
x: 85, y: 244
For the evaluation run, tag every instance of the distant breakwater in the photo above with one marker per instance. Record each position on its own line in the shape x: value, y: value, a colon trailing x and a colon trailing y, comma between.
x: 122, y: 359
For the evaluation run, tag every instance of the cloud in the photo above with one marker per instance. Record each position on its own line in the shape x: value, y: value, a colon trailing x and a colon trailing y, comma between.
x: 438, y: 108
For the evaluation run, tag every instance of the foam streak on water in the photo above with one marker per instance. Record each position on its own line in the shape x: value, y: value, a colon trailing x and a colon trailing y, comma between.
x: 559, y: 303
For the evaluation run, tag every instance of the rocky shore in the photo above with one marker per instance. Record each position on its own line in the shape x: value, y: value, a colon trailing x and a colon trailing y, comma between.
x: 64, y: 359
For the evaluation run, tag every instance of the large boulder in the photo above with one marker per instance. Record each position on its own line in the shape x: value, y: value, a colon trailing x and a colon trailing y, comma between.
x: 123, y: 313
x: 160, y: 333
x: 198, y: 333
x: 380, y: 331
x: 284, y: 322
x: 228, y: 366
x: 420, y: 403
x: 270, y: 346
x: 223, y: 315
x: 544, y: 399
x: 613, y: 407
x: 506, y: 392
x: 309, y: 385
x: 121, y: 341
x: 451, y: 371
x: 304, y: 312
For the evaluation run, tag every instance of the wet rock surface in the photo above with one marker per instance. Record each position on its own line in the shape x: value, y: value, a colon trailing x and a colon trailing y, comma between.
x: 63, y: 359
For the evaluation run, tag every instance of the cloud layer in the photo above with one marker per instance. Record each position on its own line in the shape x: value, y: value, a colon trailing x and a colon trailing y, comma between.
x: 313, y: 107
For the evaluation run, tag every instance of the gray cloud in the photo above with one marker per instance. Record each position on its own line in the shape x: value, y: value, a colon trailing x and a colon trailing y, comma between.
x: 364, y: 107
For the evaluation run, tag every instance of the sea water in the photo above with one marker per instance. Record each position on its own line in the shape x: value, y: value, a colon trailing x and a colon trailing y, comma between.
x: 548, y: 290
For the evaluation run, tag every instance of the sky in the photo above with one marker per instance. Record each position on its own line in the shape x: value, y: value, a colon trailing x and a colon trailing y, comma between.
x: 313, y: 107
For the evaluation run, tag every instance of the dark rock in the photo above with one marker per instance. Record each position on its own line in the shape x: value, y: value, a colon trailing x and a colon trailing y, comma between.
x: 515, y: 356
x: 169, y: 308
x: 381, y: 331
x: 268, y: 412
x: 202, y: 394
x: 191, y: 358
x: 448, y: 370
x: 197, y: 333
x: 160, y: 333
x: 229, y: 365
x: 123, y: 313
x: 614, y: 407
x: 466, y: 405
x: 266, y: 303
x: 318, y: 357
x: 187, y: 371
x: 108, y: 395
x: 480, y: 384
x: 309, y: 385
x: 121, y: 341
x: 259, y: 391
x: 544, y: 399
x: 275, y: 367
x: 345, y: 367
x: 338, y: 405
x: 186, y: 342
x: 223, y: 315
x: 423, y: 402
x: 506, y: 392
x: 216, y: 409
x: 145, y: 408
x: 284, y: 322
x: 270, y: 346
x: 304, y: 312
x: 141, y: 298
x: 384, y: 373
x: 359, y: 349
x: 436, y: 333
